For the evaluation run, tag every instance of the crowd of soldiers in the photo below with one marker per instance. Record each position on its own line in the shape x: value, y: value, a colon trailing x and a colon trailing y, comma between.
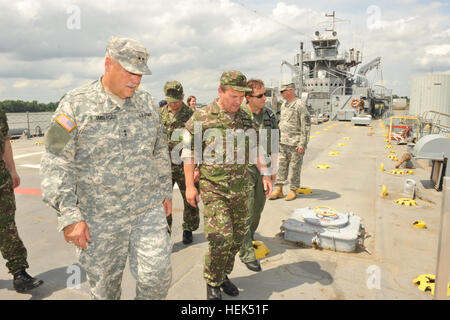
x: 112, y: 159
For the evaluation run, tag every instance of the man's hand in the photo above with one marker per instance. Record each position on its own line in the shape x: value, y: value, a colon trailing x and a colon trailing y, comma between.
x: 300, y: 150
x: 15, y: 179
x: 267, y: 184
x: 196, y: 174
x: 192, y: 196
x: 77, y: 233
x: 168, y: 207
x: 273, y: 177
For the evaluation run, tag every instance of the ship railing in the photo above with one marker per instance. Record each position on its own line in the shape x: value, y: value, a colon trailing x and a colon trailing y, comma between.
x: 434, y: 122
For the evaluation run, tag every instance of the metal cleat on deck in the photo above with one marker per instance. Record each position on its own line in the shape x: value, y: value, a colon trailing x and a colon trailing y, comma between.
x: 303, y: 190
x: 419, y: 224
x: 427, y: 282
x: 406, y: 202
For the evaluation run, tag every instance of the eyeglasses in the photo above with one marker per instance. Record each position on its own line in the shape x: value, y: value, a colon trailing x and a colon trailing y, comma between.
x: 259, y: 96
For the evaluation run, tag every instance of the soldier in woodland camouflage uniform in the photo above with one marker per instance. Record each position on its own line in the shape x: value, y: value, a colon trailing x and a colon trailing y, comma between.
x: 223, y: 184
x: 295, y: 127
x: 173, y: 116
x: 106, y: 171
x: 11, y: 247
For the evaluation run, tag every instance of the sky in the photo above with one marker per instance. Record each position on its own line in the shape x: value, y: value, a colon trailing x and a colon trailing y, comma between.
x: 49, y: 47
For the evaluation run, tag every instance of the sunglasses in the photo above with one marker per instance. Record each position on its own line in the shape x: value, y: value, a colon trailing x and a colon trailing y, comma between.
x: 259, y: 96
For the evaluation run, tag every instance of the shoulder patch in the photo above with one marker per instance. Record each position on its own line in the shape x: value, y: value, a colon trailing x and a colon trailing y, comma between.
x: 66, y: 122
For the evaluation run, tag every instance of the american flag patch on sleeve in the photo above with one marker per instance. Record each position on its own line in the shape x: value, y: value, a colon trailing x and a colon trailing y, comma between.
x: 66, y: 122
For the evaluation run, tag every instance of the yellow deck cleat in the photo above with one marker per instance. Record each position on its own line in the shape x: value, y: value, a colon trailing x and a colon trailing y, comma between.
x: 393, y: 157
x: 382, y: 167
x: 318, y: 132
x: 333, y: 153
x: 392, y: 151
x: 347, y: 138
x: 384, y: 191
x: 261, y: 250
x: 322, y: 166
x: 419, y: 224
x: 426, y: 283
x: 406, y: 202
x: 303, y: 190
x: 389, y: 146
x: 398, y: 171
x: 341, y: 144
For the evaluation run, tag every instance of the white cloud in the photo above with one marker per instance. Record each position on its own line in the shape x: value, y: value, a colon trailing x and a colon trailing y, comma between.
x: 20, y: 84
x: 28, y: 9
x: 438, y: 50
x: 63, y: 81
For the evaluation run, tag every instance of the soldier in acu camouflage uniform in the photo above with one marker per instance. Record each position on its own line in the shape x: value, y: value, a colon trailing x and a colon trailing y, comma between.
x: 106, y: 171
x: 295, y: 127
x: 223, y: 184
x: 173, y: 116
x: 11, y: 246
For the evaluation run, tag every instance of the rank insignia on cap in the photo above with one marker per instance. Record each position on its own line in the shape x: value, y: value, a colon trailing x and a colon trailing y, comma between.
x: 66, y: 122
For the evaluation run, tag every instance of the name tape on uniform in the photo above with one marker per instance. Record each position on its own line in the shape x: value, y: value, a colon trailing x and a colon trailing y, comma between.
x: 66, y: 122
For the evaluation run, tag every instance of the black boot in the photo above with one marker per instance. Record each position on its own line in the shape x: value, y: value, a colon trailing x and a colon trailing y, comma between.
x: 253, y: 265
x: 213, y: 293
x: 24, y: 282
x: 229, y: 288
x: 187, y: 237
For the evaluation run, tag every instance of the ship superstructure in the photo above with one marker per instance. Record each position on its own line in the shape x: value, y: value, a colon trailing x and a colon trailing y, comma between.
x: 328, y: 81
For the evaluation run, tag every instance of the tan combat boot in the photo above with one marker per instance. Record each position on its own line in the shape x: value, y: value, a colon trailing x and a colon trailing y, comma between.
x: 277, y: 193
x: 291, y: 195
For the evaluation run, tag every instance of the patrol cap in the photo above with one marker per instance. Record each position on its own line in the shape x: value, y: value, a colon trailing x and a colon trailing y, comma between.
x: 173, y: 91
x: 236, y: 80
x: 131, y: 54
x: 287, y: 86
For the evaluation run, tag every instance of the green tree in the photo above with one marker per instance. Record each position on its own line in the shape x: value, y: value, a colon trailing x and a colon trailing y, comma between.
x: 11, y: 106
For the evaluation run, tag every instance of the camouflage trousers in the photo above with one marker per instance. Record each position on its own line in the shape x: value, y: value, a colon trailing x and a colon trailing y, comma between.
x: 256, y: 202
x: 225, y: 216
x: 288, y: 157
x: 191, y: 215
x: 11, y: 246
x: 144, y: 240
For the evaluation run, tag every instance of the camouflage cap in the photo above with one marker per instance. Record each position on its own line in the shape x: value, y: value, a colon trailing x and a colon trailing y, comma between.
x: 173, y: 91
x: 131, y: 54
x: 287, y: 86
x: 235, y: 79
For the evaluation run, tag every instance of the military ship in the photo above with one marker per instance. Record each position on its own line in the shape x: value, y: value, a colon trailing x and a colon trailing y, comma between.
x: 329, y: 81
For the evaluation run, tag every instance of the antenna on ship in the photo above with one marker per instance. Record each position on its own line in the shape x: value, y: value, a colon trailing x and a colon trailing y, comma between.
x: 333, y: 23
x: 334, y: 20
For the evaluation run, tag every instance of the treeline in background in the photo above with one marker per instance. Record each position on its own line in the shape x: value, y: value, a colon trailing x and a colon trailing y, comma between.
x: 27, y: 106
